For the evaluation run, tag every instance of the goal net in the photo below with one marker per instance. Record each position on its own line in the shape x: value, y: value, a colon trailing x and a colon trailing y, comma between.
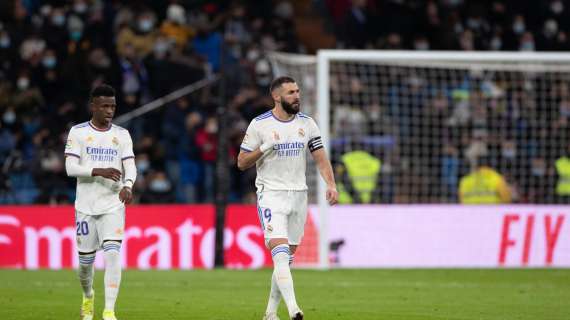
x: 427, y: 118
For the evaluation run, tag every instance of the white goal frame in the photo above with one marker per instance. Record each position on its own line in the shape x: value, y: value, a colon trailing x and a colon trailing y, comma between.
x: 324, y: 58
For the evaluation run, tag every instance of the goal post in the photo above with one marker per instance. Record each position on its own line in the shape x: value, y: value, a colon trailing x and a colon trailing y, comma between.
x: 429, y: 117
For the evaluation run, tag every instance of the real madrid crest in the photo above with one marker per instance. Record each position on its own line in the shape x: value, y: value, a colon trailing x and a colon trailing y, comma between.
x: 301, y: 132
x: 115, y: 141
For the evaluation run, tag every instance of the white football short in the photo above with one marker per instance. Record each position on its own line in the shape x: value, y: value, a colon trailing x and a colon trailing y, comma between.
x: 282, y: 214
x: 92, y: 230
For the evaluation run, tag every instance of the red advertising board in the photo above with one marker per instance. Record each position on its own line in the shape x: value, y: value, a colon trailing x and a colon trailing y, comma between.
x: 157, y: 237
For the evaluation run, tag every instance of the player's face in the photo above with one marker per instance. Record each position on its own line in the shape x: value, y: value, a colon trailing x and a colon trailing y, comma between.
x: 290, y: 96
x: 103, y: 109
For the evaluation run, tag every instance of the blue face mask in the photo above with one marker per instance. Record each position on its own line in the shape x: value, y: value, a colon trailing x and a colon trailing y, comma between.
x: 49, y: 62
x: 527, y: 46
x: 4, y: 42
x: 76, y: 35
x: 58, y: 20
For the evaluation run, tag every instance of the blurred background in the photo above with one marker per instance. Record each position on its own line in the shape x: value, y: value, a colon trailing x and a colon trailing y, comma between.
x: 53, y: 52
x: 424, y: 106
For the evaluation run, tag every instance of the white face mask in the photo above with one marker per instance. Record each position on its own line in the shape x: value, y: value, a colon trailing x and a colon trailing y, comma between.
x: 23, y: 83
x: 80, y: 7
x: 527, y: 46
x: 519, y: 27
x: 557, y: 7
x: 496, y: 43
x: 58, y: 20
x: 9, y: 117
x: 160, y: 185
x: 4, y: 42
x: 143, y: 165
x: 421, y: 45
x: 145, y: 25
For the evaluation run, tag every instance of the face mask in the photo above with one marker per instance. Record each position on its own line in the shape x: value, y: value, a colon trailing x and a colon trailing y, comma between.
x: 4, y: 42
x: 58, y: 20
x: 9, y: 117
x: 143, y: 165
x: 565, y: 112
x: 23, y: 83
x: 45, y: 10
x: 496, y: 43
x: 263, y: 80
x: 252, y: 55
x: 527, y: 46
x: 211, y: 128
x: 146, y: 25
x: 557, y: 7
x: 519, y: 27
x: 473, y: 23
x: 160, y: 49
x: 80, y: 7
x: 159, y: 185
x: 551, y: 27
x: 422, y: 45
x: 104, y: 63
x: 509, y: 153
x: 49, y: 62
x: 538, y: 171
x: 75, y: 35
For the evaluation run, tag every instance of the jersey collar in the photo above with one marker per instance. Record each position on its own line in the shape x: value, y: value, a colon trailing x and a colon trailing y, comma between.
x: 100, y: 130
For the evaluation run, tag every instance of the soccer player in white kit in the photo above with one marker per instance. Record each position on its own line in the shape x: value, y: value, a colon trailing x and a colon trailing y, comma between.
x: 100, y: 155
x: 277, y: 142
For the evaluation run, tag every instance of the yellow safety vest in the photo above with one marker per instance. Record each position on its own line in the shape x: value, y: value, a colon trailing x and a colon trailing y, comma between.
x: 563, y: 170
x: 481, y: 187
x: 362, y: 170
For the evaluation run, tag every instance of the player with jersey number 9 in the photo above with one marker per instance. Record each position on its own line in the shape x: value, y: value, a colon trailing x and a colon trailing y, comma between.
x: 276, y: 142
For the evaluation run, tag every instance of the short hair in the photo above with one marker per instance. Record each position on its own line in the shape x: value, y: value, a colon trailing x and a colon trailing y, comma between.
x: 103, y: 90
x: 278, y: 82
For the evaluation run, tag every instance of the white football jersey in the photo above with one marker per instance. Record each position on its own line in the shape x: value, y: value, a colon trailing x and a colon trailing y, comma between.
x: 97, y: 148
x: 282, y: 168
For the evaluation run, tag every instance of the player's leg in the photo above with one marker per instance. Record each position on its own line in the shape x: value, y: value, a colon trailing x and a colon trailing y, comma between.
x: 274, y: 293
x: 112, y: 230
x: 87, y: 244
x: 274, y: 211
x: 296, y: 229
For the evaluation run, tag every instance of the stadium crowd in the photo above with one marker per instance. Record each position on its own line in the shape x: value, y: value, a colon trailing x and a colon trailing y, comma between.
x: 53, y: 52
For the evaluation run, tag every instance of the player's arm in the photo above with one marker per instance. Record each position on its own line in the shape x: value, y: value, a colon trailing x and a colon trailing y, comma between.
x: 130, y: 169
x: 325, y: 168
x: 252, y: 148
x: 247, y: 159
x: 73, y: 167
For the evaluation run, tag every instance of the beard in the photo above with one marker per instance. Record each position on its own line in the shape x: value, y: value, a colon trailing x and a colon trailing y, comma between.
x: 291, y: 108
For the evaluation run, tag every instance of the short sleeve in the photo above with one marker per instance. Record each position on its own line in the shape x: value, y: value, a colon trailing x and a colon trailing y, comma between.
x: 251, y: 139
x: 127, y: 148
x: 73, y: 144
x: 314, y: 130
x: 315, y: 143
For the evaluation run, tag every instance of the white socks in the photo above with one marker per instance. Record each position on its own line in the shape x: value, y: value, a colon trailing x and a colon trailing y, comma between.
x: 275, y: 294
x: 112, y: 272
x: 282, y: 277
x: 85, y: 273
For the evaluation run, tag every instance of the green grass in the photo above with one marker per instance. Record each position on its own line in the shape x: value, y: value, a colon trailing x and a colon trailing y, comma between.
x: 339, y: 294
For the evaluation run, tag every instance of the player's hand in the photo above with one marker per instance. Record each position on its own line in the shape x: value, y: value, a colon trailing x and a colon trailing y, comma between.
x: 268, y: 145
x: 332, y: 195
x: 126, y: 195
x: 109, y: 173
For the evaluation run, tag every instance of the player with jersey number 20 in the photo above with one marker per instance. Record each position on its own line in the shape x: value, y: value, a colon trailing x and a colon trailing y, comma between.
x: 276, y: 142
x: 100, y: 155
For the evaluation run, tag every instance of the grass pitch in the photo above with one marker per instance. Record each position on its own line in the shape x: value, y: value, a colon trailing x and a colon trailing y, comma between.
x: 339, y: 294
